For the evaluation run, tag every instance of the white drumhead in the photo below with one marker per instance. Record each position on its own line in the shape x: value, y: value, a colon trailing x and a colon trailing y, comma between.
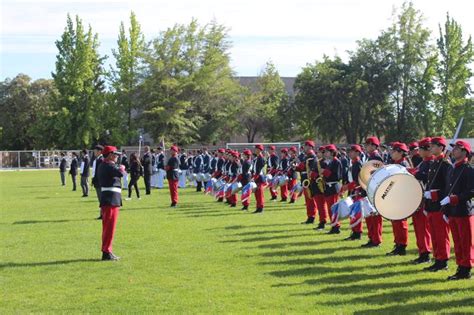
x: 398, y: 196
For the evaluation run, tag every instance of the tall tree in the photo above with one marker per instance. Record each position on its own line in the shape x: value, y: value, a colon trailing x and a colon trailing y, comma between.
x: 79, y: 80
x: 126, y: 78
x: 453, y: 73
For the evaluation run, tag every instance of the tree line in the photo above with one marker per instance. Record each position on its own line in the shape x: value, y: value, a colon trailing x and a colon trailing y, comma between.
x: 402, y: 85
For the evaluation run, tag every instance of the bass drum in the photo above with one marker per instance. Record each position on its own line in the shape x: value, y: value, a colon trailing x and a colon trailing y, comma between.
x: 395, y: 193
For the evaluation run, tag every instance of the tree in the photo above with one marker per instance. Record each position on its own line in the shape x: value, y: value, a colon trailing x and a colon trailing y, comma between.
x: 79, y: 80
x: 126, y: 78
x: 24, y: 104
x: 453, y: 74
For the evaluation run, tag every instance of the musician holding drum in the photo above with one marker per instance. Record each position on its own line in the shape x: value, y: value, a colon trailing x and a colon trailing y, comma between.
x: 257, y: 168
x: 233, y: 174
x: 272, y: 168
x: 246, y: 174
x: 318, y: 187
x: 282, y: 171
x: 332, y: 176
x: 292, y: 174
x: 304, y: 167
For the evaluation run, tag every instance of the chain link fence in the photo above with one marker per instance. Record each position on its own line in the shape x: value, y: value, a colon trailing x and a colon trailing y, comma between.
x: 33, y: 159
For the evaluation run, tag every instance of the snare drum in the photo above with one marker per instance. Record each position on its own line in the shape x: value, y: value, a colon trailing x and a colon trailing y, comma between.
x: 342, y: 208
x: 395, y: 193
x: 236, y: 187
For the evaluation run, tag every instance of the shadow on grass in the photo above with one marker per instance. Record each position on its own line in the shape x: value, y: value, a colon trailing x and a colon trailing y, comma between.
x: 46, y: 263
x: 265, y: 238
x: 49, y: 221
x: 303, y: 252
x: 401, y: 308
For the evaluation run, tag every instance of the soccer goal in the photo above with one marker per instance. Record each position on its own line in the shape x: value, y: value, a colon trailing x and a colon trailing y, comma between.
x: 278, y: 146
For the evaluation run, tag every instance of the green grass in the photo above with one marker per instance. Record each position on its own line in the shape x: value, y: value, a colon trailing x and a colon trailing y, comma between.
x: 202, y: 257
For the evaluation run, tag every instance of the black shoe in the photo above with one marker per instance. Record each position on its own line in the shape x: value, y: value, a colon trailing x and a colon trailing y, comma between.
x: 220, y: 200
x: 437, y: 266
x: 99, y: 217
x: 423, y: 258
x: 354, y: 236
x: 309, y: 220
x: 73, y: 190
x: 283, y: 200
x: 148, y: 193
x: 259, y: 210
x: 274, y: 198
x: 173, y: 205
x: 292, y: 201
x: 334, y: 230
x: 245, y: 208
x: 85, y: 196
x: 233, y: 205
x: 109, y: 256
x: 370, y: 244
x: 320, y: 226
x: 462, y: 273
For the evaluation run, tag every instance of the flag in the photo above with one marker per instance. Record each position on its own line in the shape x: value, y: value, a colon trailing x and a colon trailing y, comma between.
x: 246, y: 192
x: 208, y: 188
x: 356, y: 213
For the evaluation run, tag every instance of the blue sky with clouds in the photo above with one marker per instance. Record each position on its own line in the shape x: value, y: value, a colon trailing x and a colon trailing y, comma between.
x: 290, y: 33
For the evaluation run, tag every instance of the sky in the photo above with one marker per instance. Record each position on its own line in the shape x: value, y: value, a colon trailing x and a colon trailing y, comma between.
x: 289, y: 33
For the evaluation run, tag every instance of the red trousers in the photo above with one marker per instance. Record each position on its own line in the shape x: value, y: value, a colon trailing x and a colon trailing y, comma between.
x: 109, y: 221
x: 422, y: 231
x: 374, y: 228
x: 330, y: 200
x: 259, y: 196
x: 273, y: 192
x: 400, y: 232
x: 439, y: 235
x: 291, y: 184
x: 233, y: 199
x: 462, y: 229
x: 320, y: 202
x: 310, y: 204
x: 284, y: 191
x: 173, y: 185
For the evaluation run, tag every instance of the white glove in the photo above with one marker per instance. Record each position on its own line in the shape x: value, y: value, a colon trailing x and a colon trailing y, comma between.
x: 427, y: 194
x: 445, y: 201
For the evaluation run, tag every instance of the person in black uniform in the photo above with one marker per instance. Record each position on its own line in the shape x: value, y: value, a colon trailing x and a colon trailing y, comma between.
x: 109, y: 177
x: 172, y: 174
x: 124, y: 162
x: 136, y: 170
x: 147, y: 168
x: 198, y: 168
x: 73, y: 170
x: 246, y: 175
x: 85, y: 169
x: 95, y: 181
x: 62, y: 168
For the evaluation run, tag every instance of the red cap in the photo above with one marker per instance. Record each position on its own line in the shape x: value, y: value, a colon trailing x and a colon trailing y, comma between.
x: 247, y: 152
x: 259, y: 146
x: 221, y: 150
x: 399, y: 146
x: 310, y: 152
x: 293, y: 149
x: 235, y: 154
x: 441, y: 141
x: 413, y: 145
x: 424, y: 143
x: 272, y: 147
x: 464, y: 145
x: 372, y: 140
x: 284, y: 150
x: 322, y: 148
x: 174, y: 148
x: 110, y: 149
x: 309, y: 143
x: 356, y: 148
x: 331, y: 147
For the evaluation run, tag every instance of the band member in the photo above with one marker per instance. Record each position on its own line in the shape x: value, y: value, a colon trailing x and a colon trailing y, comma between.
x: 399, y: 227
x: 124, y: 162
x: 437, y: 186
x: 136, y: 170
x: 73, y: 170
x: 108, y: 176
x: 233, y: 175
x: 62, y: 168
x: 183, y: 166
x: 354, y: 189
x: 318, y: 187
x: 160, y: 165
x: 459, y: 207
x: 292, y: 174
x: 95, y: 181
x: 257, y: 167
x: 420, y: 219
x: 272, y: 168
x: 373, y: 222
x: 332, y: 177
x: 246, y: 175
x: 147, y: 163
x: 305, y: 167
x: 85, y: 169
x: 172, y: 174
x: 197, y: 169
x: 414, y: 158
x: 282, y: 170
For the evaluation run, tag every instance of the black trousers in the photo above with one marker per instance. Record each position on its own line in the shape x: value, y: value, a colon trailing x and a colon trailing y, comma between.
x: 199, y: 186
x: 131, y: 184
x: 73, y: 177
x: 147, y: 178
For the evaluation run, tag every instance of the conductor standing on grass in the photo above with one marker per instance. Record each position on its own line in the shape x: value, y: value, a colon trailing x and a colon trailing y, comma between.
x: 62, y: 168
x: 148, y: 169
x: 73, y: 170
x: 109, y: 178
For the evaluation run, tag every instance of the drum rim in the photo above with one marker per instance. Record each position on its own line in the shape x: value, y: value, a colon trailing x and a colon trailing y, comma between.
x: 421, y: 201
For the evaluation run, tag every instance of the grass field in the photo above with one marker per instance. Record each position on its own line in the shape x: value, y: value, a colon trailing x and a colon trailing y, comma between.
x: 201, y: 257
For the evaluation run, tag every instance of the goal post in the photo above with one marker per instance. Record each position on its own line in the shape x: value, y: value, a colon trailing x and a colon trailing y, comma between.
x: 278, y: 145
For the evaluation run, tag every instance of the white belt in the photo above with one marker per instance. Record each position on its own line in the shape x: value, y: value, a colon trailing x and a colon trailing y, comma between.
x: 114, y: 189
x: 332, y: 183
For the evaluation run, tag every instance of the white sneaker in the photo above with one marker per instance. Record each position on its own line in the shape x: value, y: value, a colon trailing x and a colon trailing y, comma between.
x: 128, y: 198
x: 139, y: 198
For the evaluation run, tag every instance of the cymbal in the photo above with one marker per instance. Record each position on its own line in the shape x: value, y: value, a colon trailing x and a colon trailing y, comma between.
x: 367, y: 170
